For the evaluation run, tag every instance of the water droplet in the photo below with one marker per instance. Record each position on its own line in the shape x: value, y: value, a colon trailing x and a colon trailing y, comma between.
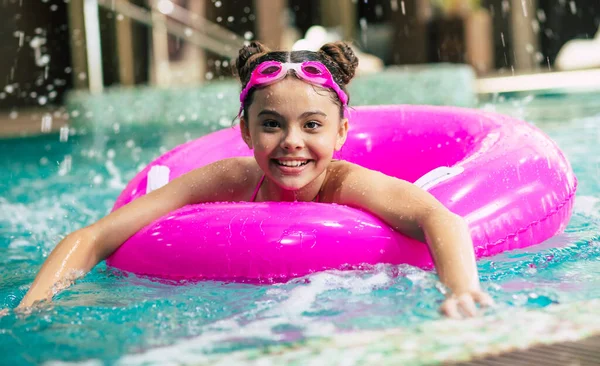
x: 248, y: 35
x: 13, y: 115
x: 46, y: 123
x: 9, y: 89
x: 218, y: 4
x: 224, y: 121
x: 209, y: 75
x: 42, y: 100
x: 230, y: 18
x: 64, y: 134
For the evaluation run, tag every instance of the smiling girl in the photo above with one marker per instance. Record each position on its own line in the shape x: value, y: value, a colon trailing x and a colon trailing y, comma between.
x: 292, y: 117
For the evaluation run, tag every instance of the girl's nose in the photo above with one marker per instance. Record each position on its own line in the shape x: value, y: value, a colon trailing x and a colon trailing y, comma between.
x: 292, y: 140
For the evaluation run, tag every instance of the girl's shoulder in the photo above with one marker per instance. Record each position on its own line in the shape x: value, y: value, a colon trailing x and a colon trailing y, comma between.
x: 228, y: 179
x: 339, y: 172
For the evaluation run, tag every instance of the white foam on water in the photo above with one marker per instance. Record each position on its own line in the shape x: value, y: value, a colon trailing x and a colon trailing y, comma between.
x: 587, y: 205
x: 290, y: 311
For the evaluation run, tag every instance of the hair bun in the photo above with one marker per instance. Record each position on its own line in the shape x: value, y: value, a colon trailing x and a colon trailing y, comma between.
x: 341, y: 53
x: 246, y: 55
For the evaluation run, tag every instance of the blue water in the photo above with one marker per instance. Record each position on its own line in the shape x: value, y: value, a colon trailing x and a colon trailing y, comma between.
x: 53, y: 185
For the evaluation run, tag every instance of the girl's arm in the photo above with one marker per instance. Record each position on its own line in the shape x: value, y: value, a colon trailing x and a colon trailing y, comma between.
x: 81, y: 250
x: 416, y: 213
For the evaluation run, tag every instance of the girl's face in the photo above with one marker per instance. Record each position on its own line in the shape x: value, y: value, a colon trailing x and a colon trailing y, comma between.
x: 294, y: 129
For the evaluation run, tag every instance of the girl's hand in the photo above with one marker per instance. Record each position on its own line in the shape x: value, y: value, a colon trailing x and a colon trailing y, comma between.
x: 464, y: 305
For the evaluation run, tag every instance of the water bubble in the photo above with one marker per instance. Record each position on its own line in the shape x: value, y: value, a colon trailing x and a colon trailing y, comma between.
x: 363, y: 23
x: 98, y: 179
x: 541, y: 15
x: 38, y: 31
x: 188, y: 32
x: 9, y: 89
x: 130, y: 143
x: 219, y: 19
x: 2, y: 95
x: 44, y: 160
x: 110, y: 154
x: 75, y: 113
x: 209, y: 75
x: 13, y: 115
x: 573, y: 7
x: 120, y: 17
x: 539, y: 57
x: 230, y: 18
x: 42, y: 100
x: 68, y: 70
x: 65, y: 165
x: 64, y: 134
x: 46, y: 123
x: 52, y: 94
x: 535, y: 25
x: 82, y: 76
x: 165, y: 6
x: 218, y: 4
x: 248, y: 35
x: 505, y: 6
x: 529, y: 48
x: 224, y: 121
x: 53, y: 7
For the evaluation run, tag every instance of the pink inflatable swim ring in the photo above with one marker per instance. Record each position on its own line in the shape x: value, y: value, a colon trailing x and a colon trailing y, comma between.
x: 510, y: 182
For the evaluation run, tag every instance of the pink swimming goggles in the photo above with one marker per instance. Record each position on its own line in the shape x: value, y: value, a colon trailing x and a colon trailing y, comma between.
x: 312, y: 72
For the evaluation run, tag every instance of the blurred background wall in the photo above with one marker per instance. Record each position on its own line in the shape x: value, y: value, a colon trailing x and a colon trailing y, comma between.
x: 45, y: 53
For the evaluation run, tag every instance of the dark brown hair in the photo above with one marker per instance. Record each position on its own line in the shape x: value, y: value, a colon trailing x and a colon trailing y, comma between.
x: 338, y: 57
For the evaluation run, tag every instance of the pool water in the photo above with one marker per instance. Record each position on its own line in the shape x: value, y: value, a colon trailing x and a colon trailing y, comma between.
x: 52, y: 185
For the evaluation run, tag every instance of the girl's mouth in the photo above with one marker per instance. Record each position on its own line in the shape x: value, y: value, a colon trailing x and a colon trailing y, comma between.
x: 291, y: 163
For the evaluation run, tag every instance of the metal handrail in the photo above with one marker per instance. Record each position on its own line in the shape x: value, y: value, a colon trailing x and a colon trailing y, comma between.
x: 215, y: 38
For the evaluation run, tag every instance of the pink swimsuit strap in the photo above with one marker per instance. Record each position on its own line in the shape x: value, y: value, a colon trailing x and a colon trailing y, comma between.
x: 260, y: 182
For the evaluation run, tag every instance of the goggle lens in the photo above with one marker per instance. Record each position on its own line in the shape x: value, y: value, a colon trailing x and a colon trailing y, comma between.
x: 270, y: 70
x: 312, y: 70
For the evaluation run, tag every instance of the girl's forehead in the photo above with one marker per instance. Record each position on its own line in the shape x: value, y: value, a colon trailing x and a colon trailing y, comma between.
x: 293, y: 92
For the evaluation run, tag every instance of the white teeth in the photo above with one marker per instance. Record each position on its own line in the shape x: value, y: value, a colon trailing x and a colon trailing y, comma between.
x: 292, y: 163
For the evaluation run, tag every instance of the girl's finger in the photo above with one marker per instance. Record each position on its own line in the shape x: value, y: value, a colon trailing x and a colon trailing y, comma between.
x: 449, y: 308
x: 467, y: 305
x: 483, y: 298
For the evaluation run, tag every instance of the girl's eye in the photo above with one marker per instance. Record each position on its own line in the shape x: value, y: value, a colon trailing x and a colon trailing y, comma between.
x: 312, y: 125
x: 270, y: 124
